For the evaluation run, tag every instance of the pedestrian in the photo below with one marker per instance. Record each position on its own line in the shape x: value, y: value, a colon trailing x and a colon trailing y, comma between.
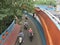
x: 30, y: 34
x: 33, y: 14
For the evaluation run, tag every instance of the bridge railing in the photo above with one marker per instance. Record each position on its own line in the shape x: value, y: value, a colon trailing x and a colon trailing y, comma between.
x: 53, y: 18
x: 9, y: 29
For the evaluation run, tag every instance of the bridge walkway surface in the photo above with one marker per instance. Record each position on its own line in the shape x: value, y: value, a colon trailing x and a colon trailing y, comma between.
x: 12, y: 37
x: 36, y: 39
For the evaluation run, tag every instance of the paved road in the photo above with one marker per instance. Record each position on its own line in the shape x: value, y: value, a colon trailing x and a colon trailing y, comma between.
x: 37, y: 40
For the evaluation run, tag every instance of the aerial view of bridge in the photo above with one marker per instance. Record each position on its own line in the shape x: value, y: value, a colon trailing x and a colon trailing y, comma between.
x: 44, y: 22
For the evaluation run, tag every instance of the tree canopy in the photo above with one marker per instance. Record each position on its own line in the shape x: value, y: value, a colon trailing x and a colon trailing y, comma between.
x: 15, y: 7
x: 45, y: 2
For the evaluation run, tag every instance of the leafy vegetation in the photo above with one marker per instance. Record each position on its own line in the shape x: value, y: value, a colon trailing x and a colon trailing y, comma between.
x: 5, y: 22
x: 46, y: 2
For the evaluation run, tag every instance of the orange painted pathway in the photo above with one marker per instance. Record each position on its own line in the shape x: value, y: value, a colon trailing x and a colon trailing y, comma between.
x: 13, y: 36
x: 51, y: 32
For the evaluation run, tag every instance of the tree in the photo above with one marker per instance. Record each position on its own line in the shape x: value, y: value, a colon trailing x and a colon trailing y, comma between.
x: 27, y: 5
x: 46, y: 2
x: 20, y: 5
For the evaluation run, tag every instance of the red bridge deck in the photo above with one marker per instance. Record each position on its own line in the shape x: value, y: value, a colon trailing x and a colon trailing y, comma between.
x: 13, y: 36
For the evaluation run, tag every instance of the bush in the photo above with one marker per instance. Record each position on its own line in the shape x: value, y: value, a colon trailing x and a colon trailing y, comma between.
x: 5, y: 22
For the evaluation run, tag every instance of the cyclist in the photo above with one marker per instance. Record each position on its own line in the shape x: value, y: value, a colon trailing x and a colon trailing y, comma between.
x: 25, y: 25
x: 21, y: 34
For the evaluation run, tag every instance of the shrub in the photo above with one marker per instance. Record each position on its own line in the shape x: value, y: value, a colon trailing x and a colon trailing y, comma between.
x: 5, y: 22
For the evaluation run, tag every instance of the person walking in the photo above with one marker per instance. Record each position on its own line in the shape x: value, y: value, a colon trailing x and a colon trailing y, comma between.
x: 30, y: 34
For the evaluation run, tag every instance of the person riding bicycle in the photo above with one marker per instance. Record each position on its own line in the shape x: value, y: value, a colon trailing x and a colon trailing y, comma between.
x: 25, y: 25
x: 21, y: 34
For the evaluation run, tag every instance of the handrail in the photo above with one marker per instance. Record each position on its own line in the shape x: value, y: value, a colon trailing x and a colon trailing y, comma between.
x: 53, y: 18
x: 9, y: 29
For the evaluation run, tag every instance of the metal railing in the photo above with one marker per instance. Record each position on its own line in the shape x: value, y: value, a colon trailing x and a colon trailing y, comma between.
x: 9, y: 29
x: 53, y: 18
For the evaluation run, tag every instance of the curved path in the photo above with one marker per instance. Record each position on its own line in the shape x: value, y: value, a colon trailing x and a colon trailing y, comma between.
x: 51, y: 32
x: 37, y: 40
x: 12, y: 37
